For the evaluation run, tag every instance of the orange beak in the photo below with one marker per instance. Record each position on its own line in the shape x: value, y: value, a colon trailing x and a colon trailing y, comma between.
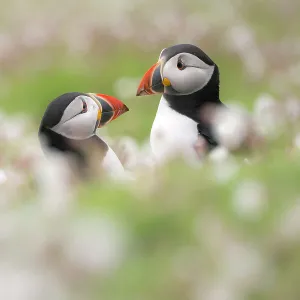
x: 151, y: 82
x: 110, y: 108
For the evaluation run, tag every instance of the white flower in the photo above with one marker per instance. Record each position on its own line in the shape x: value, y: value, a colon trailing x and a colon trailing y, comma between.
x: 224, y: 166
x: 53, y: 175
x: 147, y: 156
x: 250, y: 199
x: 269, y: 117
x: 242, y: 263
x: 219, y: 154
x: 13, y: 128
x: 241, y: 39
x: 6, y: 45
x: 292, y: 107
x: 218, y: 290
x: 3, y: 177
x: 20, y: 284
x: 35, y: 35
x: 128, y: 152
x: 8, y: 225
x: 231, y: 127
x: 94, y: 245
x: 225, y: 170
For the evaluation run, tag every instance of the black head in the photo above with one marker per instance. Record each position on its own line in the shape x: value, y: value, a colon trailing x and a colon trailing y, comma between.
x: 186, y: 76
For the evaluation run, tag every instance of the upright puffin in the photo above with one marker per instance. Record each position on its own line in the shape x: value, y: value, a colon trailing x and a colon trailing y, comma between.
x: 188, y: 80
x: 69, y: 126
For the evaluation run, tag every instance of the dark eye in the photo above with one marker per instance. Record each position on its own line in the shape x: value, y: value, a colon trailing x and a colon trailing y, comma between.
x: 180, y: 65
x: 84, y: 107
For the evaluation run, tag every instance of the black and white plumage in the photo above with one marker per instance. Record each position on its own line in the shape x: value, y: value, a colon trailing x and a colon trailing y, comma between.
x: 69, y: 127
x: 188, y: 80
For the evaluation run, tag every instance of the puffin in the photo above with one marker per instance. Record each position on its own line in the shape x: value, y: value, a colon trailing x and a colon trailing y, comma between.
x: 69, y: 125
x: 189, y: 81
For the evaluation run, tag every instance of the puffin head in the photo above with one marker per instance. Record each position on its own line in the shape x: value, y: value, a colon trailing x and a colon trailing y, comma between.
x: 181, y: 70
x: 78, y: 115
x: 70, y: 122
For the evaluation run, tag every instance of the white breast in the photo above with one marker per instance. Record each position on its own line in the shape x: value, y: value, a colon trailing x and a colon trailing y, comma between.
x: 172, y: 134
x: 114, y: 168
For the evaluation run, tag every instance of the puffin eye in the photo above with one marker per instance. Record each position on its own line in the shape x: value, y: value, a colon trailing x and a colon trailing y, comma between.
x: 84, y: 107
x: 180, y: 65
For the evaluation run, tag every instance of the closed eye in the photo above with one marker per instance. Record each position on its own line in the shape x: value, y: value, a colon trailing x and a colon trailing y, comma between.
x: 84, y: 107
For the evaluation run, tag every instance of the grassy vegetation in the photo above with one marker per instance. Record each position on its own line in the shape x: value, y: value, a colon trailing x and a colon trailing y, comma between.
x: 227, y: 230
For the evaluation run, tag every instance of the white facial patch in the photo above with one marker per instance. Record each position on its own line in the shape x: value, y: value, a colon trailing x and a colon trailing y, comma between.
x: 192, y: 78
x: 77, y: 125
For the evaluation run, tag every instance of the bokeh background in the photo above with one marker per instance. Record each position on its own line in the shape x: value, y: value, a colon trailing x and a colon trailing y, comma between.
x: 229, y: 230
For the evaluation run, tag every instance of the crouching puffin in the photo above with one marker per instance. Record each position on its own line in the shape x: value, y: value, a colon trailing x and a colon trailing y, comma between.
x: 69, y: 126
x: 189, y: 81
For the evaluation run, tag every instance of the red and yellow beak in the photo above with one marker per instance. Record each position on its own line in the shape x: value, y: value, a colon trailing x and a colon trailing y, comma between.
x: 151, y: 82
x: 110, y: 108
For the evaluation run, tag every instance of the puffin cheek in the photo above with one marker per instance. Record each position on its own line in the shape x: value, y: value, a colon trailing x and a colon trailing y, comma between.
x: 186, y: 80
x: 77, y: 131
x: 178, y: 81
x: 79, y: 128
x: 66, y: 130
x: 189, y: 80
x: 88, y: 123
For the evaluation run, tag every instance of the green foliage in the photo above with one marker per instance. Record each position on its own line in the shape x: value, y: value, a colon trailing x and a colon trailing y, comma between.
x: 188, y: 230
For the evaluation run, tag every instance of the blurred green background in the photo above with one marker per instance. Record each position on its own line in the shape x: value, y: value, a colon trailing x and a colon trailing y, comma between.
x: 226, y: 231
x: 52, y: 48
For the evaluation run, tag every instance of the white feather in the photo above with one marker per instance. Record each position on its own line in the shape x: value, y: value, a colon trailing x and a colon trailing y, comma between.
x: 114, y: 168
x: 172, y: 134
